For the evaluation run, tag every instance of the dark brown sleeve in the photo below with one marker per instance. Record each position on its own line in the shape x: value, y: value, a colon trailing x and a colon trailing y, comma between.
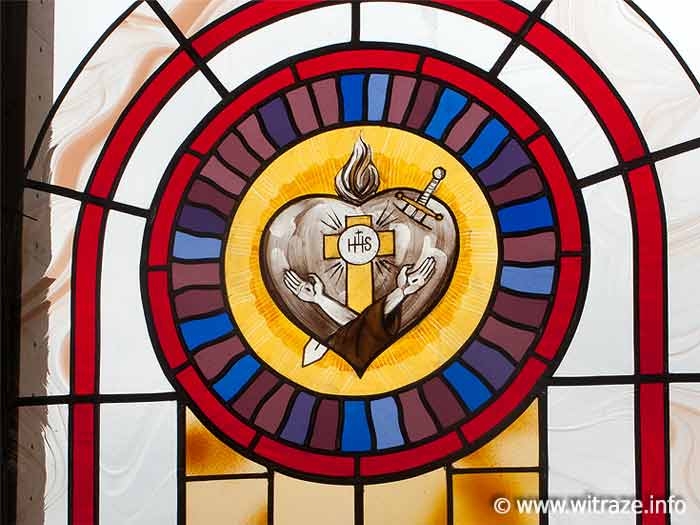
x: 360, y: 341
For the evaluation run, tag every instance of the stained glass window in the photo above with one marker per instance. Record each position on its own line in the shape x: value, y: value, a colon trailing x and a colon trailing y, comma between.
x: 368, y: 262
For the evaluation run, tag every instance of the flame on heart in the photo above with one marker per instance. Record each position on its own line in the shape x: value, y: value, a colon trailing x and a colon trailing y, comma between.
x: 358, y: 180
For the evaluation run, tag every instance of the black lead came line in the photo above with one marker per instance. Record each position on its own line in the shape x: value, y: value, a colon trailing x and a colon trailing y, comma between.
x: 355, y: 23
x: 186, y: 45
x: 71, y: 81
x: 70, y: 193
x: 97, y: 399
x: 518, y: 38
x: 666, y: 40
x: 644, y: 160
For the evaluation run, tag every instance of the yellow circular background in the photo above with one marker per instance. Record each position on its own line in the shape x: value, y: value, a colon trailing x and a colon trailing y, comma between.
x: 403, y: 160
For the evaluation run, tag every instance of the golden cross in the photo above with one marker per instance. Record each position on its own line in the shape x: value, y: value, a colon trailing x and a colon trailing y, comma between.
x: 358, y: 245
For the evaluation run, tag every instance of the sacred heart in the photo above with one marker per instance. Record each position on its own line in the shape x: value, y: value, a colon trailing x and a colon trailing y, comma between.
x: 356, y: 271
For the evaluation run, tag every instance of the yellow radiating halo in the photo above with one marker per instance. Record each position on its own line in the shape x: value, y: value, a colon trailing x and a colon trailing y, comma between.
x: 403, y: 160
